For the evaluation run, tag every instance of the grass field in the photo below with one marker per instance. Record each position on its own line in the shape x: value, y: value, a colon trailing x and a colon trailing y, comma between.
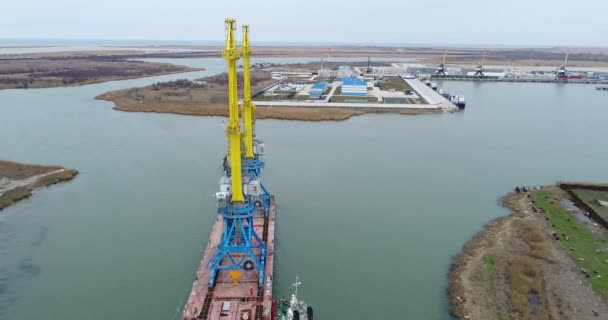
x: 353, y: 99
x: 281, y: 97
x: 395, y: 83
x: 338, y: 91
x: 590, y: 197
x: 587, y: 248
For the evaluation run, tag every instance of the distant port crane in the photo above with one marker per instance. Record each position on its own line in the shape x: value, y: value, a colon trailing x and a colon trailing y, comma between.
x: 562, y: 72
x: 239, y: 246
x: 479, y: 69
x: 441, y: 69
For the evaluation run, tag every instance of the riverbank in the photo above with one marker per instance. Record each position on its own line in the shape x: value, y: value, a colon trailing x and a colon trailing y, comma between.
x: 18, y: 181
x: 221, y: 110
x: 51, y: 70
x: 207, y: 97
x: 579, y: 57
x: 539, y: 262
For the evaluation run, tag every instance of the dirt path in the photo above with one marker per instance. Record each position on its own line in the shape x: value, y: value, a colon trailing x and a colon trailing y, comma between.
x: 7, y: 184
x: 514, y: 269
x: 18, y: 181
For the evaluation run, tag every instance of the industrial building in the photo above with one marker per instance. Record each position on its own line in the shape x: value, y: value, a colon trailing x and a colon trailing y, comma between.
x: 317, y: 90
x: 387, y: 71
x: 342, y: 72
x: 353, y: 87
x: 488, y: 74
x: 346, y: 72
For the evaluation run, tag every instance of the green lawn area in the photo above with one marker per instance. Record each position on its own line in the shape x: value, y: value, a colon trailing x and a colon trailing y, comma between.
x: 270, y: 98
x: 353, y: 99
x: 584, y: 242
x: 590, y: 197
x: 394, y: 83
x: 281, y: 97
x: 338, y: 91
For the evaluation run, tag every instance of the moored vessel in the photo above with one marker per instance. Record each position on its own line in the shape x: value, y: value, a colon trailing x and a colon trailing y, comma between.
x: 293, y: 309
x: 458, y: 101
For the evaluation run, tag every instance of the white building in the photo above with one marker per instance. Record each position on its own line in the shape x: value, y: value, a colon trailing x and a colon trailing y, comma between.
x: 346, y: 72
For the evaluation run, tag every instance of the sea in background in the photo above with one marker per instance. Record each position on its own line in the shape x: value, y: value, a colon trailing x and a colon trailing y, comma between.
x: 114, y: 42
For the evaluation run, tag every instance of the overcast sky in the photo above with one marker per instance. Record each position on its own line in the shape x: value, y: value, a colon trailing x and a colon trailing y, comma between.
x: 515, y: 22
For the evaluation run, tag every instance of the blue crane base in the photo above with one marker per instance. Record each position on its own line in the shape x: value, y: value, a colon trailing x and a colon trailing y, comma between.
x: 237, y: 242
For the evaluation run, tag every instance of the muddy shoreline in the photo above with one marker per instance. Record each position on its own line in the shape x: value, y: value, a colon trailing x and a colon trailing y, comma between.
x: 48, y: 71
x: 19, y: 181
x: 516, y: 268
x: 277, y: 113
x: 207, y: 97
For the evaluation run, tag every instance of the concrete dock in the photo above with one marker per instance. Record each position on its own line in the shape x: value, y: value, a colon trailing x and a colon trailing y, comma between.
x: 520, y: 79
x: 431, y: 96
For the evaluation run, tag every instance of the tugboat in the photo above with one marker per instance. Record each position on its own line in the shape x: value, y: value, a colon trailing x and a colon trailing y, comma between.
x: 459, y: 101
x: 292, y: 310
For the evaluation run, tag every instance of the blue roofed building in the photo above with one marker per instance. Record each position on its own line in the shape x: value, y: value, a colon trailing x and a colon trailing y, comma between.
x: 354, y: 87
x: 317, y: 90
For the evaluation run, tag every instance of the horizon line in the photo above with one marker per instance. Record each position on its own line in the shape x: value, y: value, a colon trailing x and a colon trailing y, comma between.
x: 183, y: 42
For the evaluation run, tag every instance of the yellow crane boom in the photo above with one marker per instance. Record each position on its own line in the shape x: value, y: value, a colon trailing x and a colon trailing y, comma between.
x: 483, y: 57
x: 566, y: 60
x: 445, y: 56
x: 233, y: 130
x: 248, y: 107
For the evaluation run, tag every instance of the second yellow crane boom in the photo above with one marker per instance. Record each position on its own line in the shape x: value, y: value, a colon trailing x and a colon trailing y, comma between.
x: 248, y: 107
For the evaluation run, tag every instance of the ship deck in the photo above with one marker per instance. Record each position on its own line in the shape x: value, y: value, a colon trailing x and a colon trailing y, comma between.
x: 231, y: 299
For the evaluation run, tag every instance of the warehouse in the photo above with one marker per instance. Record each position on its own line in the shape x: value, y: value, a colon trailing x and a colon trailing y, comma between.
x: 317, y: 90
x: 346, y: 72
x: 354, y: 87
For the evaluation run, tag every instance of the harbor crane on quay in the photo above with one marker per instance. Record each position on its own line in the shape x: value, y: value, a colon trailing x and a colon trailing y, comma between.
x: 479, y: 69
x: 240, y: 198
x: 562, y: 72
x: 441, y: 69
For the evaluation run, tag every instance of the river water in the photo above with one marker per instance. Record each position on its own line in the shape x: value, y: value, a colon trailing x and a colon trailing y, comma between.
x: 371, y: 210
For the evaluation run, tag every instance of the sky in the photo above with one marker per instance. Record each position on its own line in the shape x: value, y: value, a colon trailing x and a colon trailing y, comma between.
x: 464, y: 22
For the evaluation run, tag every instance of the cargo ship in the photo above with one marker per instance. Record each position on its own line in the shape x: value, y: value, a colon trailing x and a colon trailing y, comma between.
x: 234, y: 278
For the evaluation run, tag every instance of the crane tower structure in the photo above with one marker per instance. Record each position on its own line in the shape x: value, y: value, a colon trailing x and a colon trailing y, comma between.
x: 562, y: 72
x: 240, y: 247
x: 253, y: 161
x: 441, y: 69
x: 479, y: 69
